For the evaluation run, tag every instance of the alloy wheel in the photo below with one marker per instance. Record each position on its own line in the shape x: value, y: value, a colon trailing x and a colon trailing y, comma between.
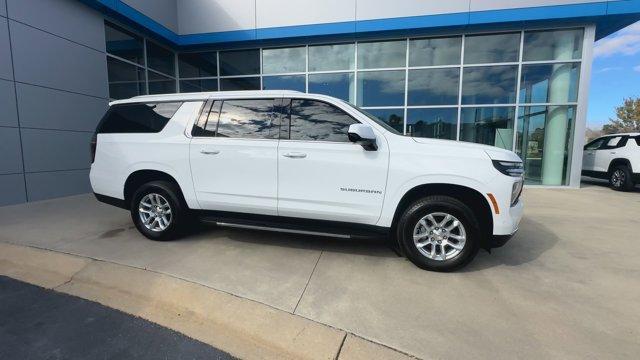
x: 439, y: 236
x: 618, y: 178
x: 155, y: 212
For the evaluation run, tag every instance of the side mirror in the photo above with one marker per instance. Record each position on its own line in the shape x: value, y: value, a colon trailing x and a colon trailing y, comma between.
x: 363, y: 134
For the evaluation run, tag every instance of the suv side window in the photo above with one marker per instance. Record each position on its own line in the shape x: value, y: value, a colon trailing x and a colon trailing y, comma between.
x: 615, y: 142
x: 244, y: 119
x: 313, y: 120
x: 595, y: 144
x: 138, y: 118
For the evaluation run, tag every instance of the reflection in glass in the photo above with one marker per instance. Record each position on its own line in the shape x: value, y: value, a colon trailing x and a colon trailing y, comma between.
x: 332, y: 57
x: 436, y: 51
x: 439, y: 123
x: 543, y: 142
x: 489, y: 85
x: 243, y: 83
x: 197, y: 85
x: 381, y: 88
x: 284, y: 82
x: 240, y: 62
x: 203, y: 64
x: 552, y: 45
x: 160, y: 59
x: 488, y: 125
x: 247, y: 119
x: 393, y: 117
x: 286, y: 60
x: 549, y: 83
x: 386, y: 54
x: 125, y: 80
x: 317, y: 120
x: 337, y: 85
x: 124, y: 44
x: 484, y: 49
x: 433, y: 86
x: 160, y: 84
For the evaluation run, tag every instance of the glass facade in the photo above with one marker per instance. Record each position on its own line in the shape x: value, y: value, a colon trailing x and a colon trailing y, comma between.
x: 505, y: 89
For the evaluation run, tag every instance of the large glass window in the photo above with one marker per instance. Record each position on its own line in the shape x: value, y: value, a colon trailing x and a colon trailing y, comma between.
x: 339, y: 85
x: 125, y: 80
x: 488, y: 125
x: 496, y: 48
x: 198, y: 85
x: 552, y: 45
x: 240, y: 62
x: 247, y: 119
x: 435, y: 51
x: 240, y: 83
x: 332, y: 57
x: 433, y: 86
x: 378, y: 55
x: 195, y: 65
x: 319, y: 121
x: 437, y: 123
x: 138, y: 118
x: 160, y: 59
x: 544, y: 138
x: 287, y: 60
x: 160, y: 84
x: 284, y: 82
x: 124, y: 44
x: 489, y: 85
x: 381, y: 88
x: 393, y: 117
x: 549, y: 83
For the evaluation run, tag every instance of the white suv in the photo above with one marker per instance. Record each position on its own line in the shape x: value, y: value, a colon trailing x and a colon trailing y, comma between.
x: 303, y: 163
x: 614, y: 157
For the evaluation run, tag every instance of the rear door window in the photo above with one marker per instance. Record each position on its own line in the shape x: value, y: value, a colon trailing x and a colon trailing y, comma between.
x: 252, y: 119
x: 138, y: 118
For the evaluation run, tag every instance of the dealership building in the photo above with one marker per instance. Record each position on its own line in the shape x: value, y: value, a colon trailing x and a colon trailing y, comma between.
x: 512, y: 74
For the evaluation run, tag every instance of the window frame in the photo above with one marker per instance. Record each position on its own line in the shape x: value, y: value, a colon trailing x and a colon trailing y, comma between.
x: 199, y: 128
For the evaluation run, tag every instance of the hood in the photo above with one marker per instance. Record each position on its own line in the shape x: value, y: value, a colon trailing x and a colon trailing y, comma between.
x: 494, y: 153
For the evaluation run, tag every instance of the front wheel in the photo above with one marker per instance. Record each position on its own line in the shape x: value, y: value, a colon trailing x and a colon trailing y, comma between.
x: 439, y: 233
x: 157, y: 212
x: 621, y: 178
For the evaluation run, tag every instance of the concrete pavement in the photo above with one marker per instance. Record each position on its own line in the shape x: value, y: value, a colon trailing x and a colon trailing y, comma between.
x: 567, y: 286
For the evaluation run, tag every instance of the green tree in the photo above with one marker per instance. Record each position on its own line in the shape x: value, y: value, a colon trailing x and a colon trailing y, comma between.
x: 628, y: 118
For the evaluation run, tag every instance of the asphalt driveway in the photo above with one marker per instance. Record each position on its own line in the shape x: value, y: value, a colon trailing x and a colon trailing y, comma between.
x: 567, y: 286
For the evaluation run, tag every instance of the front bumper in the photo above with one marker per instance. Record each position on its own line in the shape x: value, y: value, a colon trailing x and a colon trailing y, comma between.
x: 497, y: 241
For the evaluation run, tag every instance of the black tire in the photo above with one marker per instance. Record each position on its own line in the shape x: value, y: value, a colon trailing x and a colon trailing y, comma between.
x: 439, y: 204
x: 179, y: 212
x: 621, y: 178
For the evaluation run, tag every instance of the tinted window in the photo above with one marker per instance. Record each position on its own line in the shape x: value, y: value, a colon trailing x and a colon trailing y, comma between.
x: 241, y: 83
x: 615, y: 142
x: 160, y: 59
x: 138, y: 118
x: 483, y: 49
x: 208, y: 119
x: 316, y: 120
x: 192, y: 65
x: 240, y: 62
x: 437, y: 51
x: 595, y: 144
x: 123, y: 44
x: 247, y: 119
x: 489, y: 85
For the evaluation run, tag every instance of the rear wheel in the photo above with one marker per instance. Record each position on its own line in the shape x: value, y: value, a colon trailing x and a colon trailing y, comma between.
x: 439, y: 233
x: 157, y: 211
x: 620, y: 178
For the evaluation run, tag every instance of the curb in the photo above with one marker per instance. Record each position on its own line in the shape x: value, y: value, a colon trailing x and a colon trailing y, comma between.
x: 242, y: 327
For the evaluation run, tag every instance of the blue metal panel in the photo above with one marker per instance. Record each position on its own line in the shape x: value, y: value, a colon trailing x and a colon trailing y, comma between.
x: 12, y: 189
x: 48, y: 185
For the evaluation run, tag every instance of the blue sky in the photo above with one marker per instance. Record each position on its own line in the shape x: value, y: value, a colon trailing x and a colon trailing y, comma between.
x: 615, y: 74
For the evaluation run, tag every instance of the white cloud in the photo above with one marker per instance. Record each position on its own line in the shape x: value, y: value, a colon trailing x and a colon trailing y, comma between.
x: 625, y: 42
x: 607, y: 69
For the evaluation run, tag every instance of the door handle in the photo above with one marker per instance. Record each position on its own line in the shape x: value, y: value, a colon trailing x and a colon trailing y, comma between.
x: 295, y: 155
x: 613, y: 152
x: 209, y: 152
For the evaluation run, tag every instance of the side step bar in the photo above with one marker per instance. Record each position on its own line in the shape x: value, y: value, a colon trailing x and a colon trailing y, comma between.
x: 279, y: 229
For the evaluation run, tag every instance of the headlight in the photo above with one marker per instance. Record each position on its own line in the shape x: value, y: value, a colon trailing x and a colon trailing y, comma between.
x: 516, y: 190
x: 509, y: 168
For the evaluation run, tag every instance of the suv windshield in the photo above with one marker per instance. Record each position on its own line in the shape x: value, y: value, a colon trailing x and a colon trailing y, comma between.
x: 375, y: 119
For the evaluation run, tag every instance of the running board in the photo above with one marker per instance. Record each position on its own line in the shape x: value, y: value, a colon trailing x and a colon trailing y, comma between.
x: 277, y: 229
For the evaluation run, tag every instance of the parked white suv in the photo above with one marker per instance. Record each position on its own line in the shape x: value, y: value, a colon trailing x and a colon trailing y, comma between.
x: 614, y: 157
x: 304, y: 163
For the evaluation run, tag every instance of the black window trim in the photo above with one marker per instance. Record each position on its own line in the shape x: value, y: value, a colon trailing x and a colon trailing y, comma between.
x: 290, y: 99
x: 104, y: 117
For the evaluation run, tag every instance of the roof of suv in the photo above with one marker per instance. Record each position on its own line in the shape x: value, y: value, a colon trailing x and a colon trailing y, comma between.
x: 206, y: 95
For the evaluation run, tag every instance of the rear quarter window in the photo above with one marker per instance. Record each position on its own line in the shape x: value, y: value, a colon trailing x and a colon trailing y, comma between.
x: 138, y: 118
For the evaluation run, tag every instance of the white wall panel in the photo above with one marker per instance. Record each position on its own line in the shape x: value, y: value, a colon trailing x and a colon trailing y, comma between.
x: 481, y: 5
x: 274, y: 13
x: 378, y: 9
x: 204, y: 16
x: 163, y: 11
